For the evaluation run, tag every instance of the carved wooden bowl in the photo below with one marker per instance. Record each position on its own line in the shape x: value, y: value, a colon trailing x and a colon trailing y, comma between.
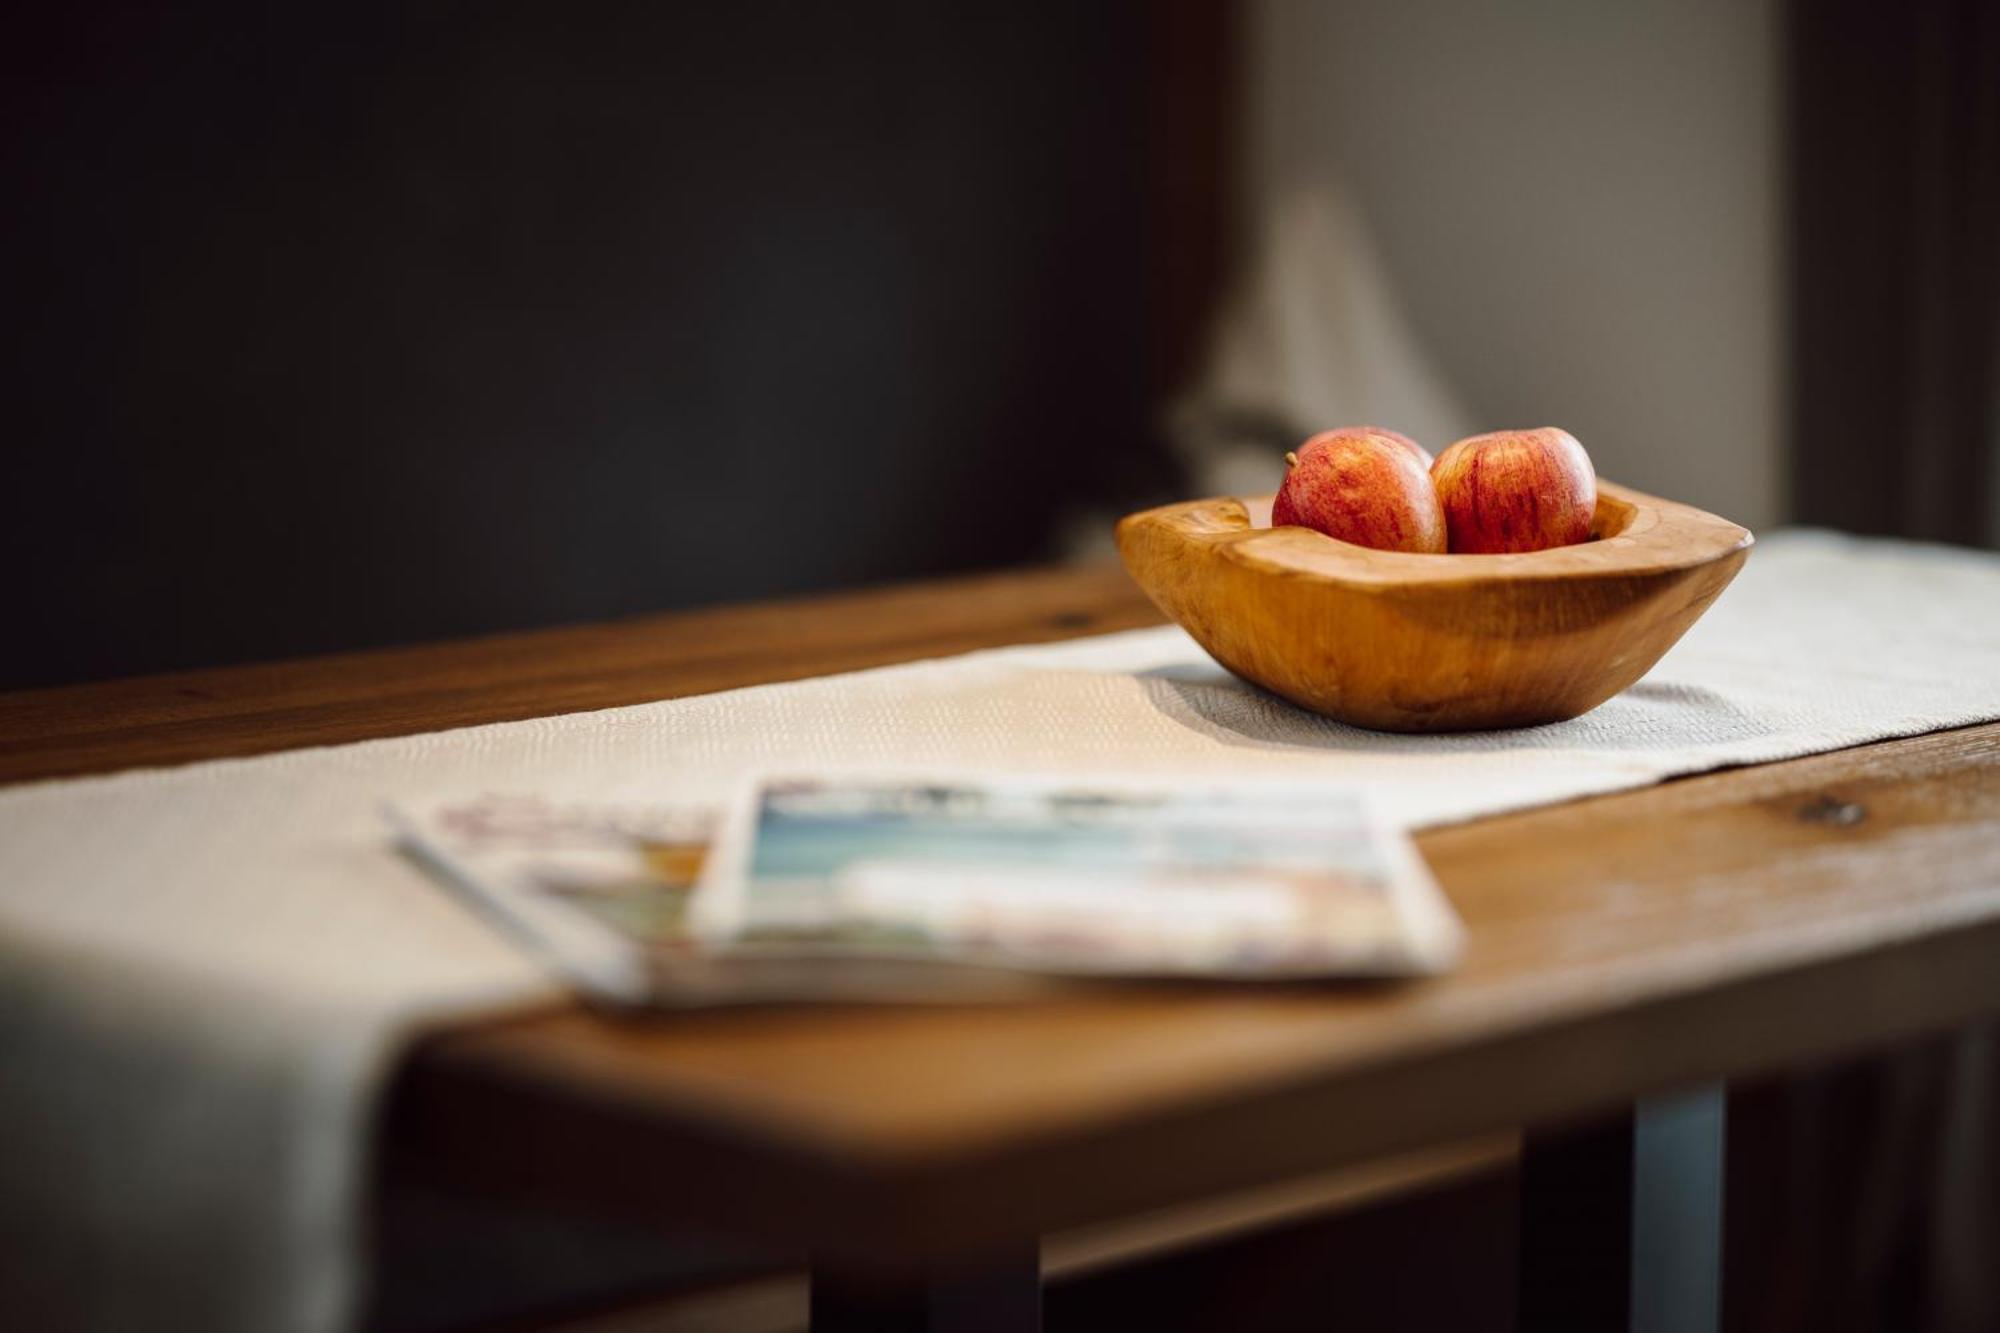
x: 1401, y: 642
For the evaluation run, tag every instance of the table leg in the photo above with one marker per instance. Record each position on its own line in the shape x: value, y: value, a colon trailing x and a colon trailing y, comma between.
x: 1002, y: 1294
x: 1677, y: 1206
x: 1621, y: 1220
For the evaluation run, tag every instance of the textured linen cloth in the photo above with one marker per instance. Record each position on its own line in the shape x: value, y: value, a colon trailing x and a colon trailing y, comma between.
x: 205, y: 971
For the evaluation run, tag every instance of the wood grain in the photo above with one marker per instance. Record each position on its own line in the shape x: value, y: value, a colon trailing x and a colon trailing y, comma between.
x: 179, y: 718
x: 1748, y: 920
x: 1406, y: 642
x: 1745, y: 921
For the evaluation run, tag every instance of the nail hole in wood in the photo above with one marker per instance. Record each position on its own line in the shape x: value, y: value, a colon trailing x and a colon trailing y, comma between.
x: 1831, y: 810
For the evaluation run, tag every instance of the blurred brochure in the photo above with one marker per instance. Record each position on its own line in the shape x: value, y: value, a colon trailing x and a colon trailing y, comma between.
x: 1121, y: 878
x: 860, y: 886
x: 602, y: 891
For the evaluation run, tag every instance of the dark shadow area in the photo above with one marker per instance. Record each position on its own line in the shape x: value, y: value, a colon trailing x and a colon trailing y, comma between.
x: 1894, y: 266
x: 449, y: 1263
x: 348, y: 325
x: 1443, y: 1259
x: 1852, y: 1208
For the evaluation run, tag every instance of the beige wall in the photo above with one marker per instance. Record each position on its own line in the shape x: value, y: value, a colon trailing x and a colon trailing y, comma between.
x: 1576, y: 203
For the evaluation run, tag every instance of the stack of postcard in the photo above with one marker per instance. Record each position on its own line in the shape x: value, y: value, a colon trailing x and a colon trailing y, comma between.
x: 869, y: 887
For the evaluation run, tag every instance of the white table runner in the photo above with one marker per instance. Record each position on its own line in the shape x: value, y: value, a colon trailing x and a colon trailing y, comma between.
x: 205, y: 971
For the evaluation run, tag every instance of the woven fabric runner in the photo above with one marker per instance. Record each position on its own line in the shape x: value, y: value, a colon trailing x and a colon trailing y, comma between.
x: 205, y: 971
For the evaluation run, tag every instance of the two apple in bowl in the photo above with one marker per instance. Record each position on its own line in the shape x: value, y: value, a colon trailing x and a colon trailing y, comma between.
x: 1503, y: 492
x: 1502, y: 585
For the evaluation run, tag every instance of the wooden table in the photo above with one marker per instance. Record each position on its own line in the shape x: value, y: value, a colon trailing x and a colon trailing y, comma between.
x: 1748, y: 921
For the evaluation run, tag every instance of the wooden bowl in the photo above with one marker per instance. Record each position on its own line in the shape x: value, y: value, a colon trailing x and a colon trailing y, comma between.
x: 1401, y: 642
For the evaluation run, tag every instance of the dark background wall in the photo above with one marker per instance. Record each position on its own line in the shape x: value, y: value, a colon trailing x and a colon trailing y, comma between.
x: 350, y: 324
x: 1893, y: 119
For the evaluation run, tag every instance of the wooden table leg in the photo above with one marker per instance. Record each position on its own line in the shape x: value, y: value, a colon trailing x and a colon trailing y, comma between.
x: 1621, y: 1220
x: 1002, y: 1294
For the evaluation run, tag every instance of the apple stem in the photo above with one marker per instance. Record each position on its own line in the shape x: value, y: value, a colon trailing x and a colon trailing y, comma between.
x: 1291, y: 459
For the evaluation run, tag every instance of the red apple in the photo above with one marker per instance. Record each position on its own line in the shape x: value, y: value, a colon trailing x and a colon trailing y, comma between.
x: 1516, y: 490
x: 1423, y: 454
x: 1364, y: 486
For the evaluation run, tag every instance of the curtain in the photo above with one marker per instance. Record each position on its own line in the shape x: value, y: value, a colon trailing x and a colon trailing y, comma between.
x: 1895, y: 267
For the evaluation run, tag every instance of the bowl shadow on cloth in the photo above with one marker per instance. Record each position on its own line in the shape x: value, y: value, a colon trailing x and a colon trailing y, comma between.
x: 1649, y: 716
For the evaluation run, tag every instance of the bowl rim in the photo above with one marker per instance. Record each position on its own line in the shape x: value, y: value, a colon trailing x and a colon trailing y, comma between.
x: 1657, y: 536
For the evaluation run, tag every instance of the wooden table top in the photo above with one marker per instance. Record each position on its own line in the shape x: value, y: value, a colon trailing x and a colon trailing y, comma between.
x: 1743, y: 921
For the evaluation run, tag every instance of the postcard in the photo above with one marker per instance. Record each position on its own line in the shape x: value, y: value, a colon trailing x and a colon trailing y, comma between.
x: 1089, y: 877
